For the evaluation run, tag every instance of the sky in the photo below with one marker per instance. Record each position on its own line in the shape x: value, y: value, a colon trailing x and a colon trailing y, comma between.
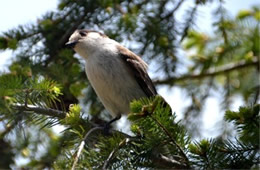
x: 27, y: 11
x: 20, y: 12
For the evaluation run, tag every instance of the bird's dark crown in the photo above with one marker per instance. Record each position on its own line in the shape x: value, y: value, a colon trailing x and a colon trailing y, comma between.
x: 84, y: 32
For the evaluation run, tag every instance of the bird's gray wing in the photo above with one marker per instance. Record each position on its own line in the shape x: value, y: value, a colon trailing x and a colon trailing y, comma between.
x: 138, y: 68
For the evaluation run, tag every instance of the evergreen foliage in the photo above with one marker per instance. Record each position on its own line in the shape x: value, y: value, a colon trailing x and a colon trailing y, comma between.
x: 46, y: 86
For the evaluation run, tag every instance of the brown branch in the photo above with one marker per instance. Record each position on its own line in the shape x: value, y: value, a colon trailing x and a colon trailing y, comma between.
x: 44, y: 111
x: 69, y: 31
x: 174, y: 9
x: 211, y: 73
x: 8, y: 128
x: 189, y: 22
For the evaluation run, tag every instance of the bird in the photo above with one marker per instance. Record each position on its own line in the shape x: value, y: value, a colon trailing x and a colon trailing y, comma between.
x: 117, y: 75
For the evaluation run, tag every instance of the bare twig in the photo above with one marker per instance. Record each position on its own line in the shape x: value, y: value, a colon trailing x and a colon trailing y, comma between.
x: 26, y: 98
x: 66, y: 35
x: 41, y: 110
x: 189, y: 22
x: 174, y: 9
x: 218, y: 71
x: 8, y: 128
x: 177, y: 6
x: 82, y: 144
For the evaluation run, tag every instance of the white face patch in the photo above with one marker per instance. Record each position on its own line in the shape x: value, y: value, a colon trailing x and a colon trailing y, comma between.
x: 91, y: 43
x: 93, y: 35
x: 75, y: 36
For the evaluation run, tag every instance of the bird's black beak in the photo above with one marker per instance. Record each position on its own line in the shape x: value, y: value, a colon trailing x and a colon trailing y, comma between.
x: 71, y: 44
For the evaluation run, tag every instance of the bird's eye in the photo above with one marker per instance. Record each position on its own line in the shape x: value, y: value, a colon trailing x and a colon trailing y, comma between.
x: 83, y: 34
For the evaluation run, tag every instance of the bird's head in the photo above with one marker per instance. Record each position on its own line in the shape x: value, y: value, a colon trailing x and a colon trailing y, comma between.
x: 85, y: 42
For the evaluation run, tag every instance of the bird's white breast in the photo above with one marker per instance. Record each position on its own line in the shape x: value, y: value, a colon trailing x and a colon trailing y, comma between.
x: 112, y: 81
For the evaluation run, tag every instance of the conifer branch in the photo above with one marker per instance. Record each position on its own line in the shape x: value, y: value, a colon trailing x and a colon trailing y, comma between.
x: 82, y: 144
x: 174, y: 9
x: 189, y: 22
x: 40, y: 110
x: 172, y: 139
x: 167, y: 162
x: 211, y: 73
x: 64, y: 38
x: 111, y: 155
x: 8, y: 128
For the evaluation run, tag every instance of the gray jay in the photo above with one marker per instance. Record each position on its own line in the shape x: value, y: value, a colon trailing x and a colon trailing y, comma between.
x: 117, y: 75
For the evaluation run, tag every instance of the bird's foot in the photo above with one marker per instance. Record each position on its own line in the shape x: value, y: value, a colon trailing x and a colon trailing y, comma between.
x: 107, y: 125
